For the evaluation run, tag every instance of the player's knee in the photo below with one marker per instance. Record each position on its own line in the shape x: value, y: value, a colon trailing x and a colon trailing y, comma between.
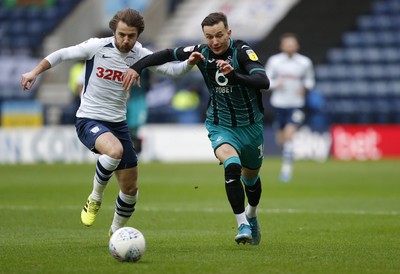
x: 130, y: 190
x: 115, y: 151
x: 233, y: 170
x: 250, y: 181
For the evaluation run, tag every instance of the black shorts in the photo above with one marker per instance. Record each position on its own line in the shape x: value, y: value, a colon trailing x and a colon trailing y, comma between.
x: 88, y: 130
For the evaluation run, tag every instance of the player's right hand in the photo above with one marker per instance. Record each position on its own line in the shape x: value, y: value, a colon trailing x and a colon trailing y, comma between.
x: 129, y: 79
x: 195, y: 58
x: 27, y: 80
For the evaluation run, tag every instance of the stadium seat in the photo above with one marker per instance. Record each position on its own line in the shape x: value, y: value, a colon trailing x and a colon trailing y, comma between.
x: 17, y: 14
x: 391, y: 55
x: 395, y: 113
x: 339, y: 71
x: 327, y: 88
x: 390, y: 7
x: 379, y: 22
x: 364, y: 114
x: 382, y: 110
x: 33, y: 22
x: 394, y: 89
x: 322, y: 72
x: 353, y: 55
x: 34, y: 13
x: 360, y: 39
x: 343, y: 110
x: 356, y: 71
x: 388, y: 38
x: 335, y: 55
x: 361, y: 78
x: 360, y: 89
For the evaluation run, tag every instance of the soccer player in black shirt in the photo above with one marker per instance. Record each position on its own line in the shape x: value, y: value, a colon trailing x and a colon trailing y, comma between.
x: 234, y: 77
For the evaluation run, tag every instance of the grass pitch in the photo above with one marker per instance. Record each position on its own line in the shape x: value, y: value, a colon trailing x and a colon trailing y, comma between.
x: 334, y: 217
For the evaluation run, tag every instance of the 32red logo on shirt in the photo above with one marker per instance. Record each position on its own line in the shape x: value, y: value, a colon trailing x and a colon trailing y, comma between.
x: 109, y: 74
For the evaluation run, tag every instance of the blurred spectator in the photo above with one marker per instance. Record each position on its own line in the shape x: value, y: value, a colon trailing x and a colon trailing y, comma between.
x: 137, y: 110
x: 316, y: 117
x: 159, y: 100
x: 186, y: 104
x: 173, y: 4
x: 191, y: 99
x: 75, y: 85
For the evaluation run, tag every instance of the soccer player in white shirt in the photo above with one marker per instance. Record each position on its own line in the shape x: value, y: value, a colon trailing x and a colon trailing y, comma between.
x: 101, y: 118
x: 291, y: 75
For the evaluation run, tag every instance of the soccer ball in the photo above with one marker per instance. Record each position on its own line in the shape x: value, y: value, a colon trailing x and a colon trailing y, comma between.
x: 127, y: 244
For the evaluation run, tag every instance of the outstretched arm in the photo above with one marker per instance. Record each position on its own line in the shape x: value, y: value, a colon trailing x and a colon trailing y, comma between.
x: 78, y: 52
x: 177, y: 69
x: 29, y: 78
x: 155, y: 59
x: 133, y: 73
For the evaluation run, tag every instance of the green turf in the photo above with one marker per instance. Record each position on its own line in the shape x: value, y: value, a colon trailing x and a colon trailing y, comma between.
x: 334, y: 217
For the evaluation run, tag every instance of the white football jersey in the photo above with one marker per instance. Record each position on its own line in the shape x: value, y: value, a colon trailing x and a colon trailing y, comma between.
x: 103, y: 97
x: 295, y: 73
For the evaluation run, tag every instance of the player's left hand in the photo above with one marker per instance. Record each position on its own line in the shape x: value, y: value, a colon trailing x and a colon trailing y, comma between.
x: 129, y: 79
x: 224, y: 66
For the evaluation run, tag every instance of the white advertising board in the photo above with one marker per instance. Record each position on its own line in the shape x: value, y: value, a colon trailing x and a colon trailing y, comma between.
x: 163, y: 143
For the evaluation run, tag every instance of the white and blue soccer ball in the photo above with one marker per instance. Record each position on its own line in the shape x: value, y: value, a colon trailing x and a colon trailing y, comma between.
x: 127, y: 244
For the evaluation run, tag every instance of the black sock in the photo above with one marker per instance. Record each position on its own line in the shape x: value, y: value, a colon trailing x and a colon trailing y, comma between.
x: 234, y: 187
x: 254, y: 193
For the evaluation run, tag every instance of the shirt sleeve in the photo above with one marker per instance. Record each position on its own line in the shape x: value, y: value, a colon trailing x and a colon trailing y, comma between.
x: 309, y: 77
x: 157, y: 58
x: 164, y: 56
x: 160, y: 64
x: 82, y: 51
x: 173, y: 69
x: 269, y: 69
x: 253, y: 73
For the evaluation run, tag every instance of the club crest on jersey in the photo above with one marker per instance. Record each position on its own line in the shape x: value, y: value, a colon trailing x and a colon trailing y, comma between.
x: 252, y: 55
x: 130, y: 60
x: 95, y: 130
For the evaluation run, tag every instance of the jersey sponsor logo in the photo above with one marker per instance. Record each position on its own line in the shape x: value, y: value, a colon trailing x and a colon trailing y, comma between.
x: 222, y: 90
x: 188, y: 49
x: 109, y: 74
x: 252, y: 55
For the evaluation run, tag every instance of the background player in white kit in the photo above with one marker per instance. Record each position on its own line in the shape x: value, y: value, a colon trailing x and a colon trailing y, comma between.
x: 101, y: 118
x: 291, y: 75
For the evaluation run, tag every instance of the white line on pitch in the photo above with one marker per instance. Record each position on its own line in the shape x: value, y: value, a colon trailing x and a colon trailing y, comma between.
x: 211, y: 210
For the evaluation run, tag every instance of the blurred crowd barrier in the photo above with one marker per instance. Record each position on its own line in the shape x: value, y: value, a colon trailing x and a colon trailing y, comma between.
x: 189, y: 143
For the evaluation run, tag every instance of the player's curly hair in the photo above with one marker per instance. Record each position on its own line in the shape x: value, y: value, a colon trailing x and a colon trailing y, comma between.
x: 130, y: 17
x: 214, y: 18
